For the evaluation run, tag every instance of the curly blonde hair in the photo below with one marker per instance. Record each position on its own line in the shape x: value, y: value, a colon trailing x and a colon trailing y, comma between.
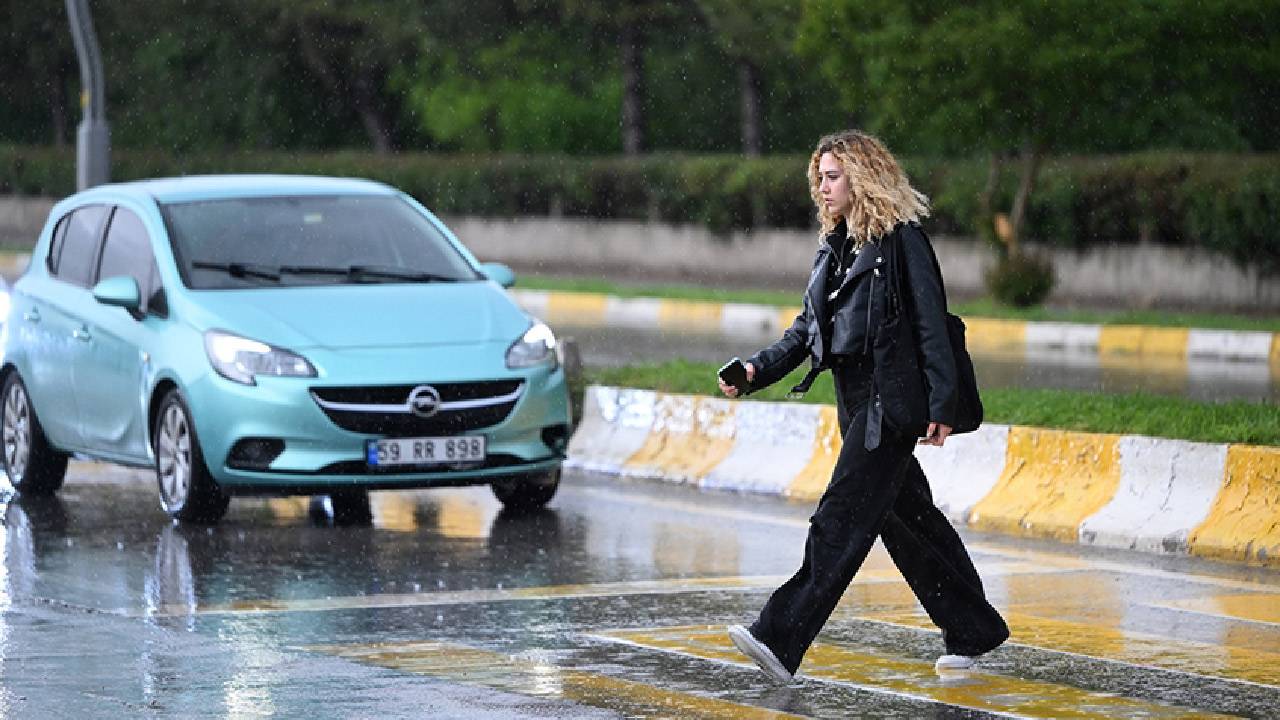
x: 882, y: 195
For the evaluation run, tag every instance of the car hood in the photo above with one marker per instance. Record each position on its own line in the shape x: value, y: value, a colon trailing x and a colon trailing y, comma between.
x: 362, y: 316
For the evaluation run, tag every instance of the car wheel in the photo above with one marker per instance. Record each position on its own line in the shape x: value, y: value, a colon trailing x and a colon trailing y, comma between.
x: 188, y: 491
x: 33, y: 466
x: 527, y: 492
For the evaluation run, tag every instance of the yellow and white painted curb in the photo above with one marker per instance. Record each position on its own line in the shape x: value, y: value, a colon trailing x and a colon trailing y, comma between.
x: 1125, y: 344
x: 1127, y: 491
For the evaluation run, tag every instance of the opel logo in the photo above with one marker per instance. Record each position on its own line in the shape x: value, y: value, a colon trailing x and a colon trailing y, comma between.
x: 424, y: 401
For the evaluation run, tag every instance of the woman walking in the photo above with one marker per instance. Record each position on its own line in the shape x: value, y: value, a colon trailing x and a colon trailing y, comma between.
x: 877, y: 488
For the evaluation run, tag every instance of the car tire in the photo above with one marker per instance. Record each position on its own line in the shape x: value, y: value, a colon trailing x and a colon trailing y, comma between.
x: 527, y: 492
x: 188, y: 491
x: 33, y: 466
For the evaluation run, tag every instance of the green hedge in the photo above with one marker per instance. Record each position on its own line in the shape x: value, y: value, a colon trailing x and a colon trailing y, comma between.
x: 1226, y: 203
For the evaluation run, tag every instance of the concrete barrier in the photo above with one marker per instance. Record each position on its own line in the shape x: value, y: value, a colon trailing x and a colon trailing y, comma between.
x: 1126, y: 491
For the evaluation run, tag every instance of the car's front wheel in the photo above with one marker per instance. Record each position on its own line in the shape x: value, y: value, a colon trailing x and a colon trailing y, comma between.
x: 188, y: 491
x: 527, y: 492
x: 33, y: 466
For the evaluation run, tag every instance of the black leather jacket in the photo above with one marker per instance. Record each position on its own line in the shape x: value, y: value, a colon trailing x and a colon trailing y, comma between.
x: 857, y: 314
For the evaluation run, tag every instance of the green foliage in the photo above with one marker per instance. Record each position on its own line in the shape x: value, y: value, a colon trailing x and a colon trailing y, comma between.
x: 1224, y: 203
x: 1131, y: 413
x: 1022, y: 280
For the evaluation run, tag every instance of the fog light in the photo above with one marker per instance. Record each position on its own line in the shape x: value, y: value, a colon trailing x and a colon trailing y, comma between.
x: 254, y: 453
x: 556, y: 437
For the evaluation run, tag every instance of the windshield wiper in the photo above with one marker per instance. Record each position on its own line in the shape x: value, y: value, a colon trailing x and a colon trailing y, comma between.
x: 240, y: 270
x: 361, y: 272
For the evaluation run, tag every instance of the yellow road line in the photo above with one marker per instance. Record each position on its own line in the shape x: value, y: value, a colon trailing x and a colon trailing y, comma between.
x: 690, y: 314
x: 1142, y: 340
x: 1100, y: 642
x: 1244, y: 521
x: 576, y: 307
x: 1052, y: 481
x: 993, y: 335
x: 916, y: 679
x: 1251, y: 607
x: 526, y: 675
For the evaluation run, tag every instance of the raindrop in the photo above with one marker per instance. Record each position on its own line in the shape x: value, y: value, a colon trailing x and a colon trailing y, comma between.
x: 119, y: 545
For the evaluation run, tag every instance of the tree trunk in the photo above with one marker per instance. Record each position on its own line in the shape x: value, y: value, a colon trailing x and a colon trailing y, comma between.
x: 633, y: 141
x: 986, y: 201
x: 752, y: 110
x: 375, y: 125
x: 1031, y: 156
x: 58, y: 106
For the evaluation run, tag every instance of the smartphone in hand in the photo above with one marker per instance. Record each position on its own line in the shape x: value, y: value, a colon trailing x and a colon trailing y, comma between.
x: 735, y: 373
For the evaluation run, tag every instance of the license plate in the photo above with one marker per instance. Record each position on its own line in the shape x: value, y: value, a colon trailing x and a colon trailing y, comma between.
x: 425, y: 451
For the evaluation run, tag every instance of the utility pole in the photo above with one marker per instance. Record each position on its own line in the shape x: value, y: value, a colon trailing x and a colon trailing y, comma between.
x: 93, y: 136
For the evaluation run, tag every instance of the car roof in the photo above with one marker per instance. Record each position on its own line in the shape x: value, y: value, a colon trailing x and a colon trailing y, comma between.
x: 215, y: 187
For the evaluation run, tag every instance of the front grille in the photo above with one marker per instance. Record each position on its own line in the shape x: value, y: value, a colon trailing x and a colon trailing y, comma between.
x: 384, y: 410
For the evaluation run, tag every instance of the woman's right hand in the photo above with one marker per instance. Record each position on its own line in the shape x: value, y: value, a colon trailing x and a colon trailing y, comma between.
x: 732, y: 391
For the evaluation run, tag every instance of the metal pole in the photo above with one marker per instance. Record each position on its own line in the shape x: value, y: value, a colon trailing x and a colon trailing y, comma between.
x: 93, y: 136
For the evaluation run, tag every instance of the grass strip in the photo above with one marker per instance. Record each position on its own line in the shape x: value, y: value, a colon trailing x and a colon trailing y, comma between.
x: 1179, y: 418
x: 985, y: 307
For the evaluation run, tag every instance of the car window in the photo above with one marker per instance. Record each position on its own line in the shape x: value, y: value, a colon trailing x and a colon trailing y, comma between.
x: 80, y: 245
x: 127, y: 251
x: 55, y: 245
x: 239, y: 242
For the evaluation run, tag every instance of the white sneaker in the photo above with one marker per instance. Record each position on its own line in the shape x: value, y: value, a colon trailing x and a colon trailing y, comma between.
x: 955, y: 662
x: 760, y: 653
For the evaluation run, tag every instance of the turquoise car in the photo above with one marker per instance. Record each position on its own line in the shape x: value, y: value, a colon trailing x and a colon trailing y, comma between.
x: 274, y: 334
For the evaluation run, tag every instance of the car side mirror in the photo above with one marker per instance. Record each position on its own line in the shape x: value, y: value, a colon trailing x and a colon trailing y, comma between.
x: 120, y: 291
x: 498, y: 273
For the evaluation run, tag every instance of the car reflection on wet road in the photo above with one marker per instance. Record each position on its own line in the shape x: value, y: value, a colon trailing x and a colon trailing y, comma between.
x: 610, y: 602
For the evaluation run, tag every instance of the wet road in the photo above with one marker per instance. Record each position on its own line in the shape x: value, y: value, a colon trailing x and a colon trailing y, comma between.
x: 612, y: 602
x: 1196, y: 378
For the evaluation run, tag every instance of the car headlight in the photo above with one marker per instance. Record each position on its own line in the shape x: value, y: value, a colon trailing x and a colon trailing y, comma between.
x: 240, y: 359
x: 535, y: 347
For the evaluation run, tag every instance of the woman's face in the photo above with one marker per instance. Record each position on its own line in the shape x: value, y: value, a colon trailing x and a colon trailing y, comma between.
x: 834, y: 186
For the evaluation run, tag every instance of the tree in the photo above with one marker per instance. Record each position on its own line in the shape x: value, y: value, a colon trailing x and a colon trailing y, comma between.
x: 351, y: 47
x: 754, y: 34
x: 1022, y: 78
x: 40, y: 66
x: 628, y: 23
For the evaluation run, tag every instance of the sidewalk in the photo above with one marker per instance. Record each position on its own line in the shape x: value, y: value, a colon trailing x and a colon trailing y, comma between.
x: 1161, y: 344
x: 1213, y: 500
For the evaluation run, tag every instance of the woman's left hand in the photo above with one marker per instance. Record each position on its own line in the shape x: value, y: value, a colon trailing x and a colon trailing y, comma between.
x: 936, y: 435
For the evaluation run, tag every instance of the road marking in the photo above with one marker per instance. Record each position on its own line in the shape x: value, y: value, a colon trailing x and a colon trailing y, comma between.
x: 530, y: 676
x: 1049, y: 560
x: 1253, y: 607
x: 672, y: 586
x: 915, y: 679
x: 1099, y: 642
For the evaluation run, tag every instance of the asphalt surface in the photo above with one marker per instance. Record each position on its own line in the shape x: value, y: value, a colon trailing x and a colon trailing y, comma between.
x: 612, y: 602
x: 1197, y: 378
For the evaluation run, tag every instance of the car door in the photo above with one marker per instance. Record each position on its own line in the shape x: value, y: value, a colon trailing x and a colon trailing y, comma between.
x: 44, y: 321
x: 112, y: 372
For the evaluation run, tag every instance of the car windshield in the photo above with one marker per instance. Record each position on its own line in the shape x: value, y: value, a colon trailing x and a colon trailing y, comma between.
x: 309, y: 240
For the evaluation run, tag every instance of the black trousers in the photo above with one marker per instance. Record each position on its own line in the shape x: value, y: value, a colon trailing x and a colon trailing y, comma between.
x: 881, y: 492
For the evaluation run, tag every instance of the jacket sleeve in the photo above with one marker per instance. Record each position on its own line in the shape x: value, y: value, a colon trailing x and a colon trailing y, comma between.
x: 929, y: 313
x: 774, y: 362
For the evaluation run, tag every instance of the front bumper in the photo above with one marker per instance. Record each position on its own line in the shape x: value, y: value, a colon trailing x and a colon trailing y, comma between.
x: 318, y: 453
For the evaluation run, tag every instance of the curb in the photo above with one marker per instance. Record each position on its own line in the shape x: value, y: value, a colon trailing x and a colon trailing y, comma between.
x: 1109, y: 342
x: 1219, y: 501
